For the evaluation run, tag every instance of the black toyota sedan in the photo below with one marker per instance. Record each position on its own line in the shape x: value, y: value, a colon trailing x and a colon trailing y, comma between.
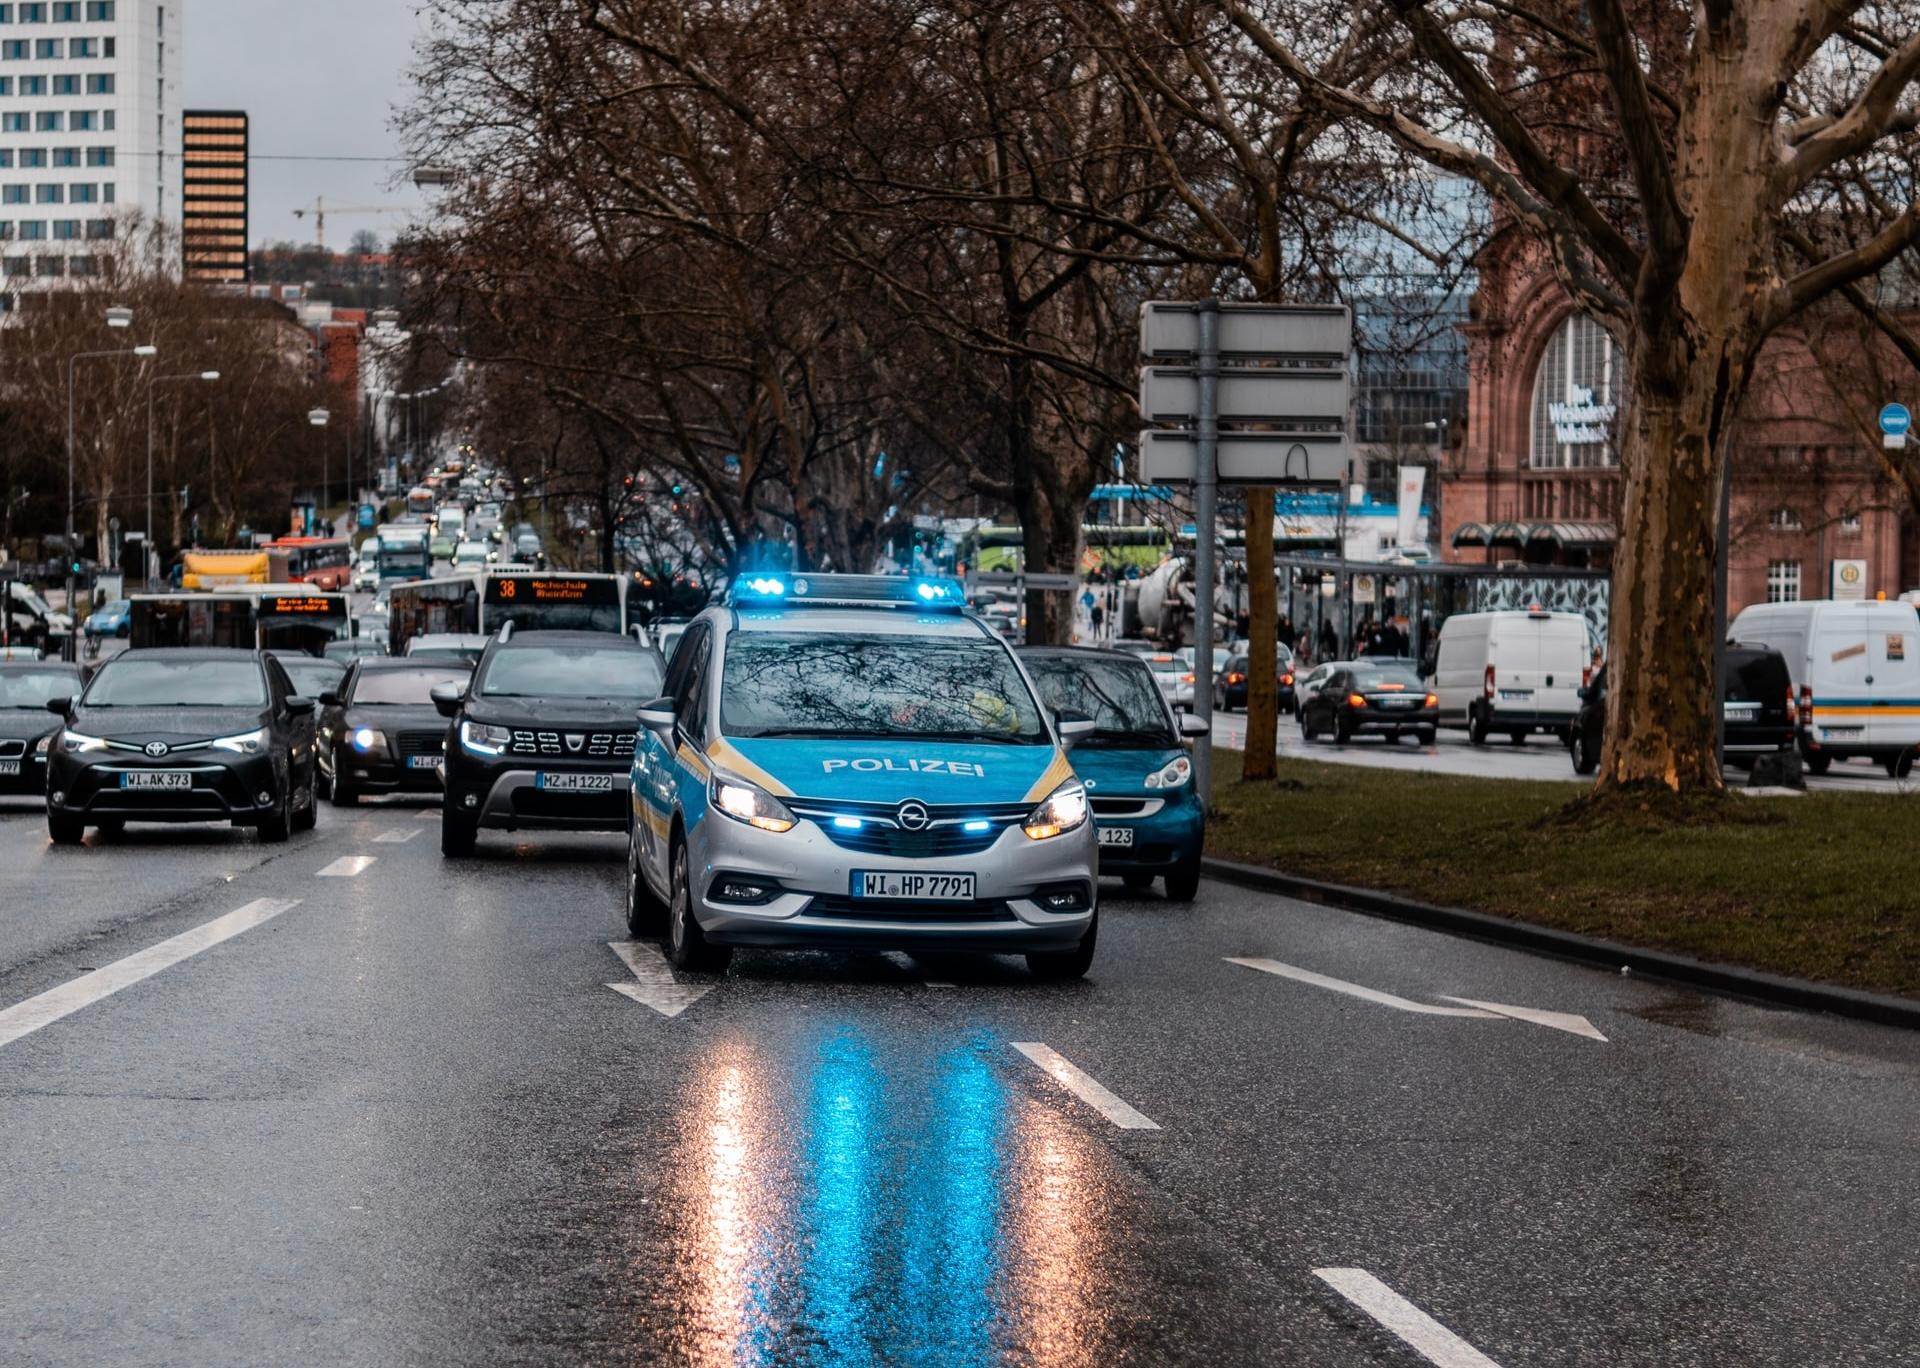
x: 183, y: 735
x: 26, y: 732
x: 379, y: 730
x: 1362, y: 697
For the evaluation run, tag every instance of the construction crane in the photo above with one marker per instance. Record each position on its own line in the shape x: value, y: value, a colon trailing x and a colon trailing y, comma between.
x: 320, y: 210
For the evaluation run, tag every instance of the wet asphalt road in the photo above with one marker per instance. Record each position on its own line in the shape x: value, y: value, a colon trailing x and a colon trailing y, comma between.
x: 406, y: 1120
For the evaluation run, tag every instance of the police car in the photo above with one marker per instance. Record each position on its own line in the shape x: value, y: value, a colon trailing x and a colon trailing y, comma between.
x: 856, y: 761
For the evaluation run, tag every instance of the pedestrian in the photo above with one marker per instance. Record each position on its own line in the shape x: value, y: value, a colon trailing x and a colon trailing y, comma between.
x: 1329, y: 646
x: 1099, y: 620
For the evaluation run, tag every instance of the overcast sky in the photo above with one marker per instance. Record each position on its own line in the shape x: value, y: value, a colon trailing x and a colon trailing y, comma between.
x: 319, y: 80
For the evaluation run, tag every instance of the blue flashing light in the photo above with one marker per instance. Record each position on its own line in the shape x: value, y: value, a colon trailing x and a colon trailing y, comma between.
x: 848, y: 823
x: 977, y: 824
x: 765, y: 586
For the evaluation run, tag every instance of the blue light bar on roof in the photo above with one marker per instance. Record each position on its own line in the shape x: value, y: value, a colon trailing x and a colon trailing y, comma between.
x: 862, y: 590
x: 760, y: 587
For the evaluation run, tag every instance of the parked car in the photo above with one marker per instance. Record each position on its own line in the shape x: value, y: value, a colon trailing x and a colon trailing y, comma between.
x: 1511, y: 671
x: 1233, y: 685
x: 1855, y: 668
x: 1366, y: 698
x: 110, y: 619
x: 1757, y: 706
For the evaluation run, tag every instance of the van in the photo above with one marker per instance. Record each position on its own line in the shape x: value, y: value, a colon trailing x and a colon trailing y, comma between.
x: 1515, y: 672
x: 1855, y: 667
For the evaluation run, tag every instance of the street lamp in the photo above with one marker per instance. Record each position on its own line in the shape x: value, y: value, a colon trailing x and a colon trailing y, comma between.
x: 432, y: 176
x: 318, y: 417
x: 206, y: 376
x: 124, y: 317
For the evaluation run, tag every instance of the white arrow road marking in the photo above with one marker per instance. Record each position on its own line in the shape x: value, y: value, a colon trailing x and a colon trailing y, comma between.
x: 346, y: 867
x: 1084, y: 1086
x: 24, y: 1018
x: 1288, y: 971
x: 656, y: 986
x: 1427, y: 1336
x: 1559, y: 1021
x: 396, y: 837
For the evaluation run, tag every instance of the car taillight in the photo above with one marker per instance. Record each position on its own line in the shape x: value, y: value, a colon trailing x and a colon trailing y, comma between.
x: 1586, y: 676
x: 1235, y: 678
x: 1489, y: 684
x: 1186, y: 679
x: 1806, y: 703
x: 1356, y: 700
x: 1433, y: 701
x: 1286, y: 681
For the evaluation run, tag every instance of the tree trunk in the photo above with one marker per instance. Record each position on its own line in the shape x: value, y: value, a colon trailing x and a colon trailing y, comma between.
x: 1263, y: 693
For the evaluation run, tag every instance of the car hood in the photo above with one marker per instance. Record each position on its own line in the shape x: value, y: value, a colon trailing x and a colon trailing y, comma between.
x: 860, y: 771
x: 553, y: 712
x: 26, y: 724
x: 393, y: 717
x: 172, y: 725
x: 1110, y: 770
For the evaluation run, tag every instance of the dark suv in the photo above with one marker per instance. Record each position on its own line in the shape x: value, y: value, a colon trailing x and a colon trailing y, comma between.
x: 543, y: 734
x: 183, y: 735
x: 1758, y: 707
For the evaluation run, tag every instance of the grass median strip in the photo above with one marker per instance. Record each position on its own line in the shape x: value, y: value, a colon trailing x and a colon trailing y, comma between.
x: 1818, y: 886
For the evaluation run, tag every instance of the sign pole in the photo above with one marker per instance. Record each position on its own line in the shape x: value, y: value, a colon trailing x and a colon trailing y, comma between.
x: 1205, y: 497
x: 1720, y: 613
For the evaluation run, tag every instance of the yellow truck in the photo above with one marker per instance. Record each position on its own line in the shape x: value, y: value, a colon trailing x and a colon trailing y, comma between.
x: 224, y: 569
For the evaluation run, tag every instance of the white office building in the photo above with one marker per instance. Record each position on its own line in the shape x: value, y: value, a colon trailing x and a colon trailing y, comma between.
x: 89, y: 129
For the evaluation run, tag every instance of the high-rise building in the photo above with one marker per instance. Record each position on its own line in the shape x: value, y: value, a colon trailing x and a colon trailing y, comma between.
x: 89, y: 123
x: 213, y: 178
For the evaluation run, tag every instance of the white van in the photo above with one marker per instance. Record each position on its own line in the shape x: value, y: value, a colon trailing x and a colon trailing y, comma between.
x: 1513, y: 672
x: 1855, y: 667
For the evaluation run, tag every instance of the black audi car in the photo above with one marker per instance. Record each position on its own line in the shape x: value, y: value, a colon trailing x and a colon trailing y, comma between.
x: 379, y: 730
x: 543, y: 734
x: 183, y: 735
x: 1367, y: 697
x: 27, y: 734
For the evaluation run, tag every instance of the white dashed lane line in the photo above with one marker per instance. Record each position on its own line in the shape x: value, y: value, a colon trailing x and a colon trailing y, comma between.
x: 347, y: 867
x: 1084, y: 1086
x: 398, y: 836
x: 1421, y: 1332
x: 24, y: 1018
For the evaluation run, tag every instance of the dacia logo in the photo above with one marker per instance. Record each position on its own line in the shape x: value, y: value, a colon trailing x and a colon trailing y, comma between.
x: 574, y: 743
x: 966, y: 769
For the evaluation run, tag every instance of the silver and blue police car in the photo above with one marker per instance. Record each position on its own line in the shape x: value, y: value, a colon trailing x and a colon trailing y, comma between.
x: 856, y: 761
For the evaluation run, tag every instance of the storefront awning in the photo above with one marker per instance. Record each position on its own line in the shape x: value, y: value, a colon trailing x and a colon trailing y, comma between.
x: 1568, y: 535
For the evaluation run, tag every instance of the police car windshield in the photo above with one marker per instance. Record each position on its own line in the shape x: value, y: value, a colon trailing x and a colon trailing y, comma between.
x: 1118, y: 694
x: 900, y: 687
x: 572, y: 672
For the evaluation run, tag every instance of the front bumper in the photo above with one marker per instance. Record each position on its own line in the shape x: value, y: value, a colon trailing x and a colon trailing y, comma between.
x: 811, y: 881
x: 1169, y: 828
x: 384, y: 773
x: 508, y: 796
x: 227, y: 789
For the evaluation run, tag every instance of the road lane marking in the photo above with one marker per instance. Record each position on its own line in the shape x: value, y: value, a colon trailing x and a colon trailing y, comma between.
x: 24, y: 1018
x: 1558, y: 1021
x: 346, y: 867
x: 1425, y: 1335
x: 1084, y: 1086
x: 1288, y: 971
x: 396, y: 837
x: 654, y: 985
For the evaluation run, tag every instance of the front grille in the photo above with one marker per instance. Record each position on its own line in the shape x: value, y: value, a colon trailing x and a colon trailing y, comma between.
x: 602, y: 745
x: 420, y: 742
x: 12, y: 749
x: 912, y: 845
x: 1127, y: 807
x: 867, y: 909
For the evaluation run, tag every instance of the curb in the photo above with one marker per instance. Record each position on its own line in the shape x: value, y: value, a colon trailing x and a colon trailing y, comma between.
x: 1776, y: 990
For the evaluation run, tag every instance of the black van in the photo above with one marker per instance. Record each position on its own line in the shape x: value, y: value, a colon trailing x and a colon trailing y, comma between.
x: 1758, y: 709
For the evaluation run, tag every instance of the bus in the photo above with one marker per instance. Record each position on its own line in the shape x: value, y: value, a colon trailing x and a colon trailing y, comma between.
x: 484, y: 602
x: 259, y: 617
x: 406, y: 552
x: 224, y: 569
x: 420, y: 499
x: 324, y: 562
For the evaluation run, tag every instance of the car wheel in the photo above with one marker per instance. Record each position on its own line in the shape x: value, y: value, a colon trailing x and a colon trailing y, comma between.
x: 1183, y: 882
x: 1477, y: 728
x: 646, y: 917
x: 308, y: 813
x: 65, y: 829
x: 687, y: 945
x: 341, y: 792
x: 1342, y: 731
x: 1428, y: 736
x: 1137, y: 881
x: 1062, y: 966
x: 1901, y: 765
x: 276, y: 824
x: 1519, y: 738
x: 457, y: 834
x: 1584, y: 759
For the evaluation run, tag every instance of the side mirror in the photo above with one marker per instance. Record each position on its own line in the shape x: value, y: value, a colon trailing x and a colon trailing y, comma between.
x: 446, y: 699
x: 657, y: 716
x: 60, y: 707
x: 329, y: 698
x: 1074, y: 727
x: 298, y: 706
x: 1194, y: 726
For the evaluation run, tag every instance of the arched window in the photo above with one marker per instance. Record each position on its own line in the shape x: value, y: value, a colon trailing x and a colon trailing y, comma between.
x: 1576, y: 397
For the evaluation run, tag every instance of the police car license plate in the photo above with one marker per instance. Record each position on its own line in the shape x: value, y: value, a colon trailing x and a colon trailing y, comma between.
x: 156, y: 779
x: 574, y: 783
x: 1116, y: 836
x: 9, y: 766
x: 422, y: 761
x: 917, y: 887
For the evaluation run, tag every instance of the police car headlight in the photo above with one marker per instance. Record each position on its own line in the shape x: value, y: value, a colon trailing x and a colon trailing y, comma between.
x: 246, y: 743
x: 1175, y: 773
x: 1064, y: 809
x: 78, y: 743
x: 750, y: 803
x: 483, y: 739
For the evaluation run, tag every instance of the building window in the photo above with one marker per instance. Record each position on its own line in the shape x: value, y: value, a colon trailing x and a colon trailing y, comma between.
x: 84, y: 121
x: 33, y: 85
x: 14, y: 194
x: 6, y: 14
x: 19, y: 266
x: 1783, y: 520
x: 49, y: 194
x: 99, y: 156
x: 48, y: 121
x: 83, y: 47
x: 1850, y: 524
x: 1783, y: 581
x: 33, y: 12
x: 6, y: 85
x: 33, y: 156
x: 66, y: 11
x: 66, y: 156
x: 6, y: 230
x: 66, y: 230
x: 49, y: 266
x: 33, y: 230
x: 50, y: 49
x: 66, y: 85
x: 6, y: 157
x: 1575, y: 397
x: 99, y: 230
x: 99, y: 11
x: 15, y: 50
x: 83, y: 193
x: 100, y: 84
x: 13, y: 123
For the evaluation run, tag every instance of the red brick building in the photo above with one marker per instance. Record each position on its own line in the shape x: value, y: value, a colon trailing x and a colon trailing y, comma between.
x: 1535, y: 476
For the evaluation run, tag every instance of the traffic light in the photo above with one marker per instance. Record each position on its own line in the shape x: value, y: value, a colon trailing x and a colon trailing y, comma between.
x: 676, y: 492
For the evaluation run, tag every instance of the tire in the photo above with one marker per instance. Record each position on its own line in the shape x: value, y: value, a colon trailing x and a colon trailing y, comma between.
x: 1901, y: 765
x: 1817, y: 762
x: 276, y: 825
x: 64, y: 829
x: 322, y: 785
x: 1519, y: 738
x: 308, y: 813
x: 687, y: 945
x: 1428, y: 735
x: 341, y: 793
x: 1584, y: 760
x: 1137, y: 881
x: 1063, y: 966
x: 1477, y: 728
x: 646, y: 914
x: 1307, y: 733
x: 1183, y: 882
x: 1342, y: 731
x: 457, y: 835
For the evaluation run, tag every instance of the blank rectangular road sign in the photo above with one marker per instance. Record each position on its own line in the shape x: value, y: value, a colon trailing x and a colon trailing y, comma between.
x: 1054, y: 582
x: 1248, y: 458
x: 1170, y: 331
x: 1314, y: 398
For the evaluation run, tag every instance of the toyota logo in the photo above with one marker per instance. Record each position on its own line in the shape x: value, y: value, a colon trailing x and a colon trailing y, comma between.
x: 156, y: 749
x: 914, y: 816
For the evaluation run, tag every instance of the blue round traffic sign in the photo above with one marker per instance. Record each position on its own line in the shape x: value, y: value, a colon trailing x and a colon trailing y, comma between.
x: 1895, y: 420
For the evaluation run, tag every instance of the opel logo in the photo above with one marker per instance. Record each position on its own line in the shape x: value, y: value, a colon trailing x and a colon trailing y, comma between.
x: 156, y: 749
x: 914, y: 816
